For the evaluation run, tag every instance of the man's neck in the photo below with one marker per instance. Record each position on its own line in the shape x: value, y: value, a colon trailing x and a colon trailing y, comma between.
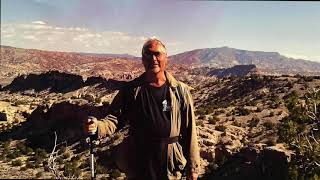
x: 156, y: 80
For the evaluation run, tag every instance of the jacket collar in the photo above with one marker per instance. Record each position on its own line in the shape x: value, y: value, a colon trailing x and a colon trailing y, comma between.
x: 171, y: 80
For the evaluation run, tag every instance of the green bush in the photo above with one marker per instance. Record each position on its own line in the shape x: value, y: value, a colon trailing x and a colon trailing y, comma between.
x: 41, y: 153
x: 287, y: 130
x: 66, y: 155
x: 29, y: 150
x: 16, y: 162
x: 71, y: 169
x: 29, y: 164
x: 13, y: 155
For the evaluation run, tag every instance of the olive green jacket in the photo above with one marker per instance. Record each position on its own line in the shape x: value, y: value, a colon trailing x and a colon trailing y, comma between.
x: 185, y: 153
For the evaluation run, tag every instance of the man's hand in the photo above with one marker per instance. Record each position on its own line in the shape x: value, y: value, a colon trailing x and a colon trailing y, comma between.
x: 91, y: 125
x: 192, y: 176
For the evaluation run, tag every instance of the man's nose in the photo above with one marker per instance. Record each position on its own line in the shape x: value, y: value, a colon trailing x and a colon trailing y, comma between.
x: 154, y: 57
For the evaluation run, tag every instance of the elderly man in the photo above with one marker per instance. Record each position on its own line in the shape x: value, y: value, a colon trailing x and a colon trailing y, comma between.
x: 160, y: 113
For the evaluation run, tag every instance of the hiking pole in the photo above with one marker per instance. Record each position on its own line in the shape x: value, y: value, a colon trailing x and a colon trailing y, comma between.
x: 91, y: 139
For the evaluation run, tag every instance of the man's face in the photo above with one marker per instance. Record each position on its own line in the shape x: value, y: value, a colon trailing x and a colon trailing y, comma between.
x: 154, y: 58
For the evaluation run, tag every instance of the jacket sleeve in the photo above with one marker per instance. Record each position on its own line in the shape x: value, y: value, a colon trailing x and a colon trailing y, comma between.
x: 109, y: 124
x: 189, y: 135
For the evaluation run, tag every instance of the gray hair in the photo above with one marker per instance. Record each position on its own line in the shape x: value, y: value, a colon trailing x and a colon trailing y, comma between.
x: 149, y: 41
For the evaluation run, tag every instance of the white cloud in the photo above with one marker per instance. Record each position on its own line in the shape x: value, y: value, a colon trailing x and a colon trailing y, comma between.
x: 74, y: 39
x: 31, y: 37
x: 39, y: 22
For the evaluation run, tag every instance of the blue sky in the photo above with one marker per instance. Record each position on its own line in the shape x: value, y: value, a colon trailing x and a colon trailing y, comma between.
x: 105, y: 26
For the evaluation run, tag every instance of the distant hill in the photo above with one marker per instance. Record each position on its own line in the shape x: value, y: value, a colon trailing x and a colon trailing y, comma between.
x: 226, y: 57
x: 18, y: 61
x: 238, y: 70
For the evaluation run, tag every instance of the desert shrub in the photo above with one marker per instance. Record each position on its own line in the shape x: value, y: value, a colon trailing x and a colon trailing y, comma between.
x: 254, y: 121
x: 59, y: 160
x: 16, y: 162
x: 269, y: 125
x: 6, y: 144
x: 23, y: 168
x: 66, y: 155
x: 45, y: 166
x: 22, y: 148
x: 29, y: 150
x: 84, y: 164
x: 213, y: 120
x: 39, y: 174
x: 75, y: 158
x: 71, y: 169
x: 300, y: 131
x: 201, y: 117
x: 241, y: 111
x: 114, y: 173
x: 2, y: 157
x: 199, y: 123
x: 41, y: 153
x: 13, y: 155
x: 221, y: 128
x: 29, y: 164
x: 62, y: 150
x: 101, y: 169
x: 271, y: 141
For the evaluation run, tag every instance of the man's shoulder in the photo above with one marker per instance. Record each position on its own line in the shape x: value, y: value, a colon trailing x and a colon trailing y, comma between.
x: 184, y: 86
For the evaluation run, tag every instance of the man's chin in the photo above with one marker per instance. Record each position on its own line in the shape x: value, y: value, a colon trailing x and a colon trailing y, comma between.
x: 154, y: 70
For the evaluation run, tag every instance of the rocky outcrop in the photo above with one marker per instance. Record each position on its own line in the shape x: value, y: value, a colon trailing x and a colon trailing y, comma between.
x: 226, y: 57
x: 55, y: 81
x: 95, y: 80
x: 254, y: 162
x: 65, y: 118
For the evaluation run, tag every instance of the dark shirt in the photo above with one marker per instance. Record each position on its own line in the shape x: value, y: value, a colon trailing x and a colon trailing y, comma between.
x: 155, y: 123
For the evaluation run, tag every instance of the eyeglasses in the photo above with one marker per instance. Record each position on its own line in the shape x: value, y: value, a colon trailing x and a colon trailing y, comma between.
x: 151, y: 54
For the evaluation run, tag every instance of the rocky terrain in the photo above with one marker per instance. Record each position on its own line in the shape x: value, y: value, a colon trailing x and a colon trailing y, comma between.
x: 248, y: 116
x: 18, y: 61
x: 238, y: 121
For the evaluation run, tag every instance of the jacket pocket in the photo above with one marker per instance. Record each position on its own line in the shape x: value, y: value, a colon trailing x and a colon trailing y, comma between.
x: 176, y: 159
